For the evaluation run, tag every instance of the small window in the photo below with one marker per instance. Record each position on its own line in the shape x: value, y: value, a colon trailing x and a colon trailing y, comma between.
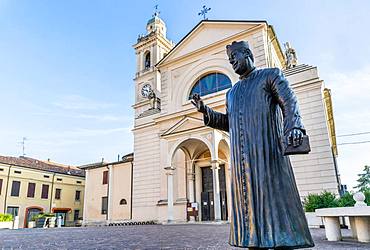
x: 79, y: 182
x: 76, y: 215
x: 1, y: 169
x: 123, y: 202
x: 1, y: 185
x: 13, y: 211
x: 147, y: 60
x: 78, y: 195
x: 210, y: 83
x: 17, y: 172
x: 45, y: 191
x: 59, y: 179
x: 15, y: 188
x: 46, y: 176
x: 58, y: 192
x: 104, y: 205
x: 31, y: 190
x: 105, y: 177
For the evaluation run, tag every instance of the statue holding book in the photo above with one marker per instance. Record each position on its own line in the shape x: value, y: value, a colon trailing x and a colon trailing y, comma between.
x: 264, y: 122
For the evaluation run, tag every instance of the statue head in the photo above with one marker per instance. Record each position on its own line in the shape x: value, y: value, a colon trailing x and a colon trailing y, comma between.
x: 240, y: 57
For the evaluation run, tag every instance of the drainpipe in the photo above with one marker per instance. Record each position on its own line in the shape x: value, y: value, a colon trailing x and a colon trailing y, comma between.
x: 132, y: 185
x: 340, y: 191
x: 51, y: 193
x: 106, y: 216
x: 6, y: 190
x: 110, y: 193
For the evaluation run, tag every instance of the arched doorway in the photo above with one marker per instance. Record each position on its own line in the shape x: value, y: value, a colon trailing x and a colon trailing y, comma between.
x: 30, y: 213
x: 195, y: 171
x: 205, y: 174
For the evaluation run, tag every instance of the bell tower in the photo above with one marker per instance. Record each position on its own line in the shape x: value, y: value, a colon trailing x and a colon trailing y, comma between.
x: 150, y: 49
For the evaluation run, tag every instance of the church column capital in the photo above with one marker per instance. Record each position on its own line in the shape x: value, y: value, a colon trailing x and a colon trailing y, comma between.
x: 215, y: 164
x: 169, y: 170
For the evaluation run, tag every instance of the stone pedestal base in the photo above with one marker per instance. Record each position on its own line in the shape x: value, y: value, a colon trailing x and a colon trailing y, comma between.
x: 332, y: 228
x: 363, y: 228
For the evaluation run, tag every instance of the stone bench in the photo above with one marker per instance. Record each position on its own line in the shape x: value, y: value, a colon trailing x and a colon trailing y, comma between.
x: 359, y: 218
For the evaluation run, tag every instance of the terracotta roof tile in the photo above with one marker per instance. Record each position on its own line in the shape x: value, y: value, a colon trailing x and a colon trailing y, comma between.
x: 28, y: 162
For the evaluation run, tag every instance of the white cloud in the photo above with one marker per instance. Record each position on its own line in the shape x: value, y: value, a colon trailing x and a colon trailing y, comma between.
x: 351, y: 103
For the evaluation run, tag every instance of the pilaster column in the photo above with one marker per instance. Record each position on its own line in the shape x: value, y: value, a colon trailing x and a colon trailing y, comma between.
x: 169, y: 173
x: 110, y: 192
x: 141, y: 61
x: 86, y: 198
x: 228, y: 188
x: 191, y: 178
x: 216, y: 190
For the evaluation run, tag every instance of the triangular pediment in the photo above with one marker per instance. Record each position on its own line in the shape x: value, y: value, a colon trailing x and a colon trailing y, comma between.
x: 207, y: 33
x: 187, y: 123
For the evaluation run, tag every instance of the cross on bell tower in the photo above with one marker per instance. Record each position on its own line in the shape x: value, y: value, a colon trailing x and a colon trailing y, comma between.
x: 156, y: 12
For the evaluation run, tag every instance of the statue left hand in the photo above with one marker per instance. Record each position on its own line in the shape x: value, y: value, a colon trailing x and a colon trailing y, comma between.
x: 295, y: 137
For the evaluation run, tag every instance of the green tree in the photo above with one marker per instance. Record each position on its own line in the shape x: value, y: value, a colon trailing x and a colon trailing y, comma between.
x: 364, y: 180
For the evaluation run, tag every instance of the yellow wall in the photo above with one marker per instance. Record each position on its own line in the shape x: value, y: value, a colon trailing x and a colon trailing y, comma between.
x: 68, y: 185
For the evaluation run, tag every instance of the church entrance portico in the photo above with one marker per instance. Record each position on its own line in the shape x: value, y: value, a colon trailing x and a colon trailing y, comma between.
x: 199, y: 175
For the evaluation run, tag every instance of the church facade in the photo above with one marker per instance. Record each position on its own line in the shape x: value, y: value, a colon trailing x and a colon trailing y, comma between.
x: 180, y: 168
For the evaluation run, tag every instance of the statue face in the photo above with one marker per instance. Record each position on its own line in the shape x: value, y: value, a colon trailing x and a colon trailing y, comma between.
x: 240, y: 61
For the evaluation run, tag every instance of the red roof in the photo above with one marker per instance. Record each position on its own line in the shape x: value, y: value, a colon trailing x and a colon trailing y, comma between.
x: 28, y: 162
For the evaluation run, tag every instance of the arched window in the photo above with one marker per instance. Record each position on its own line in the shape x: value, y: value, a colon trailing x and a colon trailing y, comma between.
x: 210, y: 83
x: 147, y: 60
x: 123, y: 202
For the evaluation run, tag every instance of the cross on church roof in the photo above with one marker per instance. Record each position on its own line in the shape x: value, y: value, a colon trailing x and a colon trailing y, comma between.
x: 203, y: 12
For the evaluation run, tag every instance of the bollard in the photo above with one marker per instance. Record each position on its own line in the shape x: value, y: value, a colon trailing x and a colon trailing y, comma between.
x: 59, y: 222
x: 16, y: 222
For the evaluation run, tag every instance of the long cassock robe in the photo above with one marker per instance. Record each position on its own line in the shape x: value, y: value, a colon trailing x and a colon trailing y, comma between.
x: 266, y: 207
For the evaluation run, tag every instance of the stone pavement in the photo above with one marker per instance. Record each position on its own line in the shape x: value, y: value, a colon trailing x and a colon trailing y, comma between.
x: 195, y: 236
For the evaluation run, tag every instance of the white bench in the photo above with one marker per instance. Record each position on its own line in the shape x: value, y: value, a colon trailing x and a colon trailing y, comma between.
x: 359, y: 218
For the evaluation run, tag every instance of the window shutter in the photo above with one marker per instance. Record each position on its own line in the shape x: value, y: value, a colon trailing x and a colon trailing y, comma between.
x: 78, y: 195
x: 105, y: 177
x: 57, y: 193
x: 15, y: 188
x: 45, y: 191
x: 104, y: 205
x: 31, y: 190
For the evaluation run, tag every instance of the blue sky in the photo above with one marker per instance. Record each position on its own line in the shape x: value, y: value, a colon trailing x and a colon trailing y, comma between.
x: 67, y: 68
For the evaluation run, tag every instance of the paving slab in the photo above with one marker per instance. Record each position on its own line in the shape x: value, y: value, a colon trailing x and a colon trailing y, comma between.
x: 193, y: 236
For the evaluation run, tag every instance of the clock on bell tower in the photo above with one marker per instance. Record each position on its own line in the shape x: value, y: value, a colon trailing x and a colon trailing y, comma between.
x: 149, y: 49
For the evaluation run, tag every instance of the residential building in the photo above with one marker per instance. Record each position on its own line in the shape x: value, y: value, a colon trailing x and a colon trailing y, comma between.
x: 108, y: 191
x: 29, y: 186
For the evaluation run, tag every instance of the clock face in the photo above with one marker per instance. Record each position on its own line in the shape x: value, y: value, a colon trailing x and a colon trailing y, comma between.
x: 145, y: 90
